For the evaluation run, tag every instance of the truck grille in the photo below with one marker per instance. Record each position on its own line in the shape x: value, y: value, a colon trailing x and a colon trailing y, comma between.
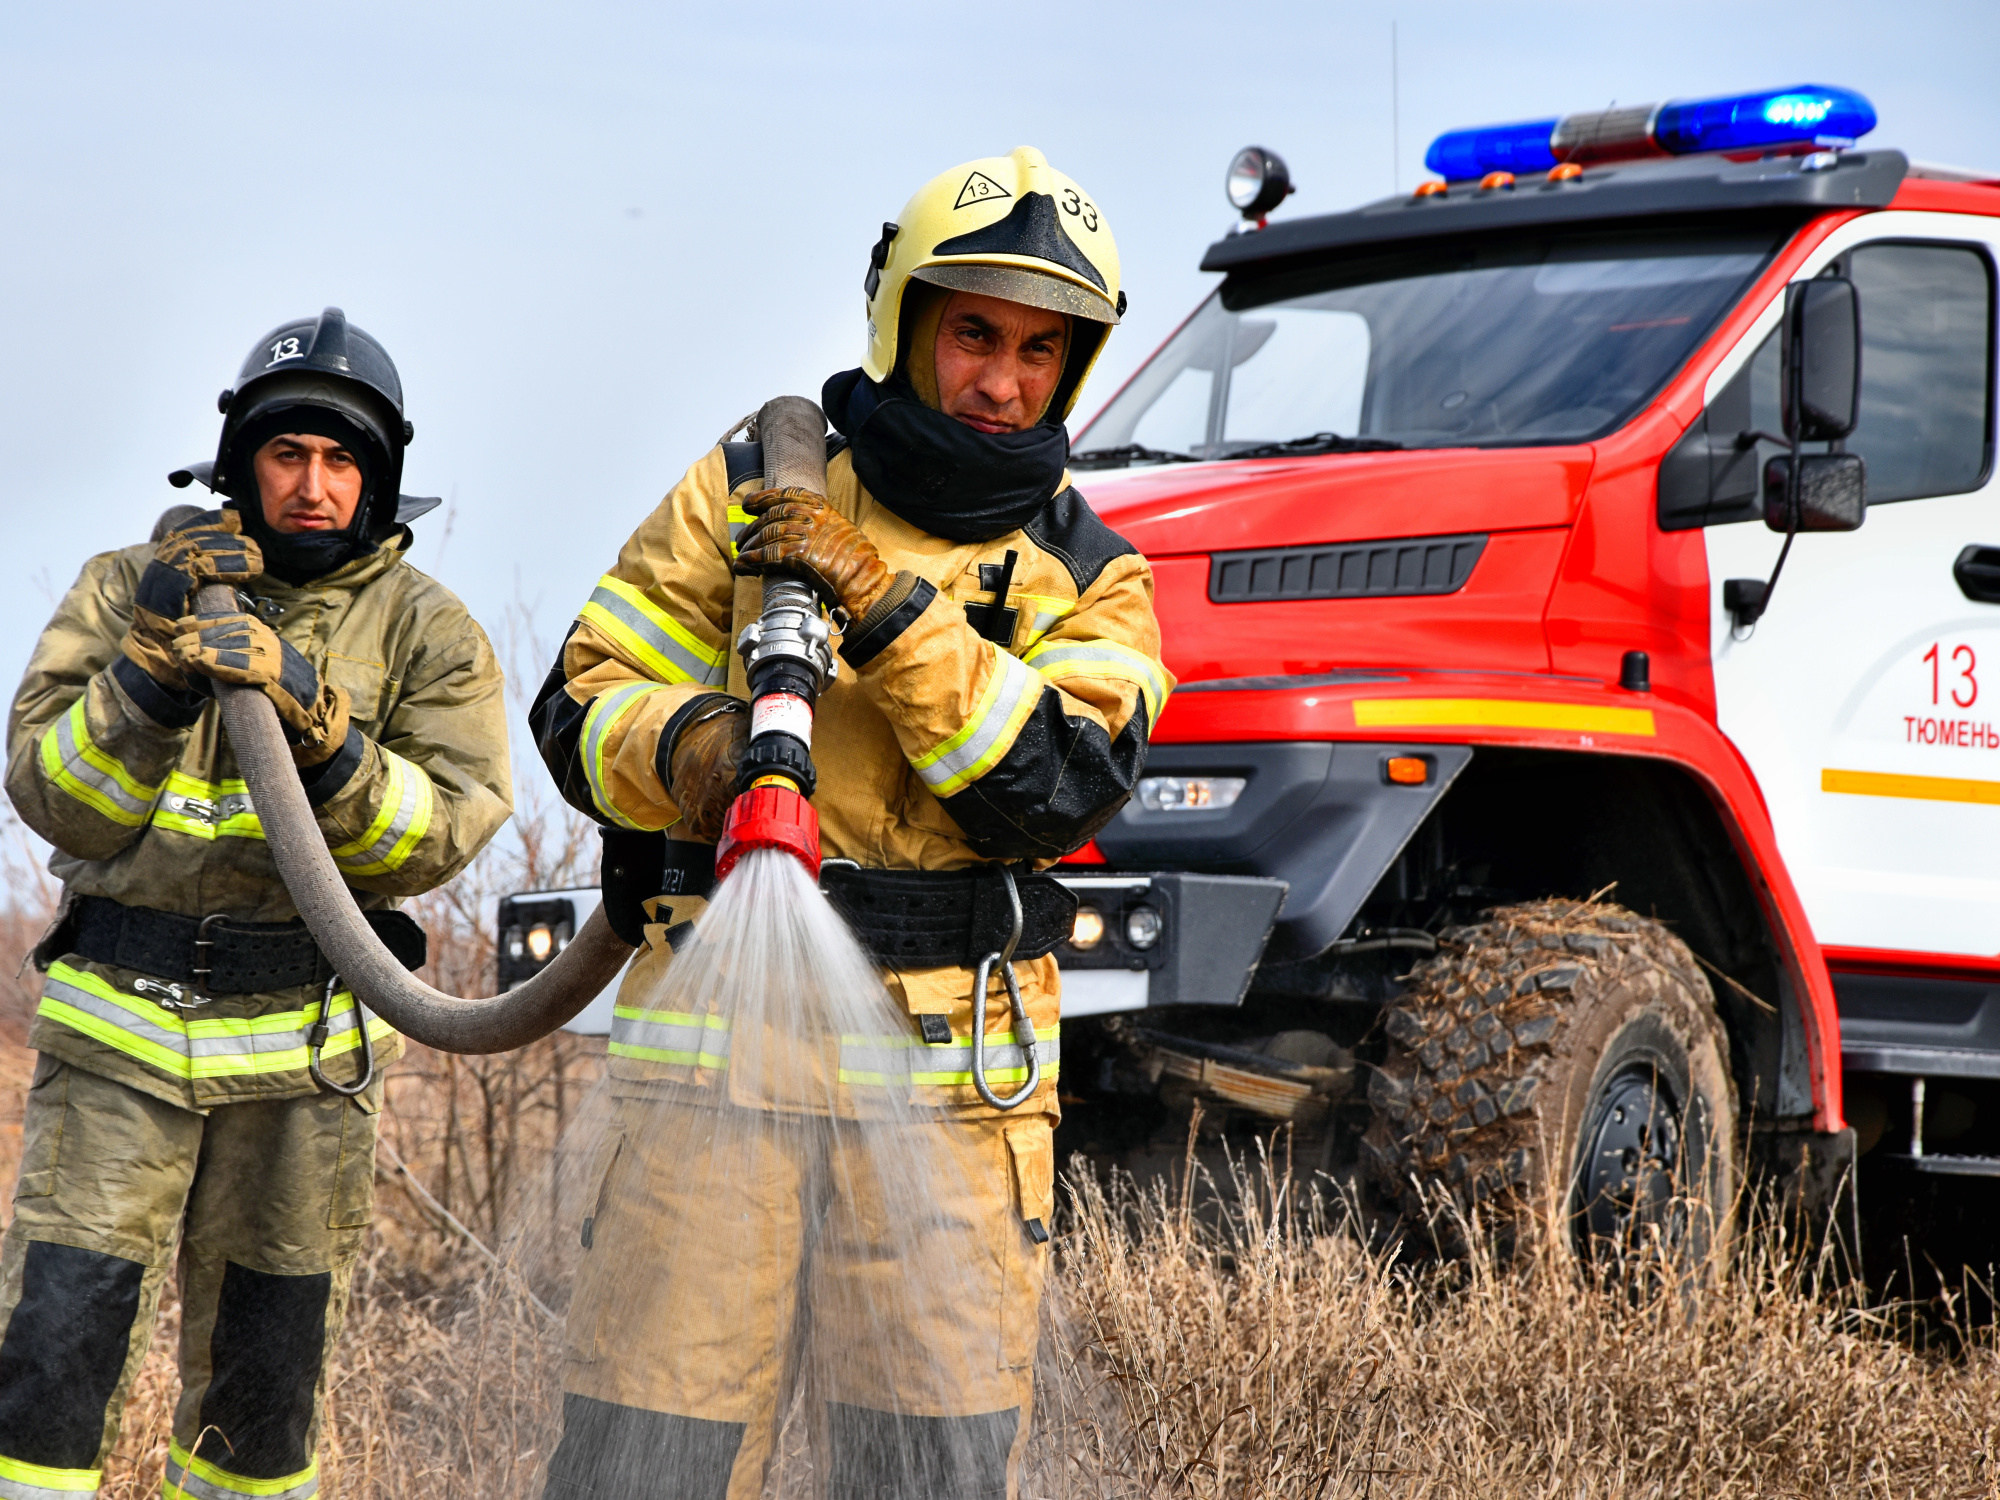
x: 1352, y: 570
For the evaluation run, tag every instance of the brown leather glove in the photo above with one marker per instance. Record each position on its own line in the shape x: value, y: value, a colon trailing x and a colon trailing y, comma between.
x: 244, y: 650
x: 211, y: 548
x: 798, y: 533
x: 702, y: 777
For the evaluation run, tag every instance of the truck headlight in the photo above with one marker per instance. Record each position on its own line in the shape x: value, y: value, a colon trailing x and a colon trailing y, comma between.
x: 1142, y: 927
x: 1190, y: 793
x: 541, y: 942
x: 1089, y: 929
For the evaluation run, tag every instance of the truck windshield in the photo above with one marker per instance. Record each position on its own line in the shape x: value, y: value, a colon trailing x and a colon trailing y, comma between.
x: 1556, y: 338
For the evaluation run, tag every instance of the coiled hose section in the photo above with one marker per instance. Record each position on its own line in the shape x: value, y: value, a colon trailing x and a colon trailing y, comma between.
x: 449, y: 1023
x: 793, y: 432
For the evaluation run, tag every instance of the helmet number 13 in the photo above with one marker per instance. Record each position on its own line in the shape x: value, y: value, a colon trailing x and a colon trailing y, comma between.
x: 1079, y: 207
x: 1965, y: 690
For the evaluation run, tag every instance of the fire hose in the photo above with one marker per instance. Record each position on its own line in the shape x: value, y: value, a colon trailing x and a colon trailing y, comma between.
x: 788, y: 658
x: 793, y: 432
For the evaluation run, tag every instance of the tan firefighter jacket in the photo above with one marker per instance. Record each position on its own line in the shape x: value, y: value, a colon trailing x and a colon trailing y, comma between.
x: 937, y: 747
x: 155, y: 816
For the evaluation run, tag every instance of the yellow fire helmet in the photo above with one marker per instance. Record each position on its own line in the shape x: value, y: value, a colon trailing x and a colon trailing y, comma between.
x: 1005, y: 226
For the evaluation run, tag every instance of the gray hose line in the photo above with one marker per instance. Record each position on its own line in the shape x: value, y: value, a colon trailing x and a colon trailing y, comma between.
x: 793, y: 432
x: 499, y: 1024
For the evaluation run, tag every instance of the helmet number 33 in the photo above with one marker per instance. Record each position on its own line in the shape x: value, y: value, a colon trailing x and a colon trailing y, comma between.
x: 1078, y: 206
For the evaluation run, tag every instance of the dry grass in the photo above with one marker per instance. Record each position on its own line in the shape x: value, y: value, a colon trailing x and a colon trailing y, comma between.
x: 1254, y: 1351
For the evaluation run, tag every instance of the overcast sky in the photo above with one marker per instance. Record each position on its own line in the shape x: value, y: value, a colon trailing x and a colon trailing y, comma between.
x: 593, y: 235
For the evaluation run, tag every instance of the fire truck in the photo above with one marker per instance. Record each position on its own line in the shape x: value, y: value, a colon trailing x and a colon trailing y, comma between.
x: 1585, y: 766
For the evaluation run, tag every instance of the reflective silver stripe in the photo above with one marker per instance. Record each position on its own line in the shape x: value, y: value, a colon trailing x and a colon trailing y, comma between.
x: 1101, y: 658
x: 115, y: 1015
x: 400, y: 822
x: 78, y: 1482
x: 961, y: 760
x: 200, y: 1047
x: 883, y: 1060
x: 606, y: 710
x: 181, y: 1480
x: 691, y: 1041
x: 91, y: 775
x: 625, y: 618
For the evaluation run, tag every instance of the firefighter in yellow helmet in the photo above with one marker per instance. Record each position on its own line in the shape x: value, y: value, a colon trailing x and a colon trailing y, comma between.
x: 1000, y: 678
x: 205, y: 1092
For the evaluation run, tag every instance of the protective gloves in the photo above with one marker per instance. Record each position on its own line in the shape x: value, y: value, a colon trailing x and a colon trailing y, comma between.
x: 798, y: 533
x: 244, y: 650
x: 704, y: 755
x: 209, y: 549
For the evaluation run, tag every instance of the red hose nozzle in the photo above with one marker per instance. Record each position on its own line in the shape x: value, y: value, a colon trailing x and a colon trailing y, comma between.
x: 771, y: 815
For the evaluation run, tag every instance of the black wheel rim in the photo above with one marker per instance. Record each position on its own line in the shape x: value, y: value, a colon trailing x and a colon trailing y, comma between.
x: 1631, y: 1157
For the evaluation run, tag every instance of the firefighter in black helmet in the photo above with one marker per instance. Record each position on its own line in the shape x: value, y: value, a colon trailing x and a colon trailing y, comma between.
x: 205, y: 1085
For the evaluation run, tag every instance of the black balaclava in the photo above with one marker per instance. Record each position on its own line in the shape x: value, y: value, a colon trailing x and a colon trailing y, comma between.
x: 299, y: 558
x: 933, y: 470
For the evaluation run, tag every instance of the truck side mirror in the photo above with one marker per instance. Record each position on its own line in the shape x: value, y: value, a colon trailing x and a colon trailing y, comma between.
x: 1832, y: 492
x: 1821, y: 382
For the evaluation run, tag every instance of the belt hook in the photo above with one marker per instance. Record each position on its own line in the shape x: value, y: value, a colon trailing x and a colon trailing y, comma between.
x: 1024, y: 1028
x: 316, y: 1044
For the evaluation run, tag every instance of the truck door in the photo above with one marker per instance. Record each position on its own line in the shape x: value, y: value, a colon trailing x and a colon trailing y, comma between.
x: 1867, y: 700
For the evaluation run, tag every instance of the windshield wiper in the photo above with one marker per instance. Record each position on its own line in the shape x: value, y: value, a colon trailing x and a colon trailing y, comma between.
x: 1126, y: 456
x: 1318, y: 442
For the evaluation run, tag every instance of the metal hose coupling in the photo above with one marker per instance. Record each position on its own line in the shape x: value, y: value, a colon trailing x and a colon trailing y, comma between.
x: 788, y: 658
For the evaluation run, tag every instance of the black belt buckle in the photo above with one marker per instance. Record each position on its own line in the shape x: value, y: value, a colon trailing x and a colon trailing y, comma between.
x: 203, y: 966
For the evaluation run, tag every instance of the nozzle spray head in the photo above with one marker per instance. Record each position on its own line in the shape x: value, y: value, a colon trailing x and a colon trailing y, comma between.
x: 770, y: 815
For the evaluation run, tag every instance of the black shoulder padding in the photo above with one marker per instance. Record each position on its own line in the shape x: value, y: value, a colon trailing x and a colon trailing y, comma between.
x: 556, y: 719
x: 1068, y: 527
x: 743, y: 462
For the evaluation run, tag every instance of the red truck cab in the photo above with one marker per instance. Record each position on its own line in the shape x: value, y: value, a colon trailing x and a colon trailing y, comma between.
x: 1464, y: 509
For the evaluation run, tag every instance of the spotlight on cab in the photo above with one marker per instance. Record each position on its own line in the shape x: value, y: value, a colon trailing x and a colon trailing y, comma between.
x: 1257, y: 182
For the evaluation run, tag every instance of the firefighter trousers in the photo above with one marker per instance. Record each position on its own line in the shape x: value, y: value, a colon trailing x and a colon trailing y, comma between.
x: 709, y: 1296
x: 266, y: 1202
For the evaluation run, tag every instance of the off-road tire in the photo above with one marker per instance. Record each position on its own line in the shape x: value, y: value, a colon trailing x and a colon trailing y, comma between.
x: 1512, y: 1041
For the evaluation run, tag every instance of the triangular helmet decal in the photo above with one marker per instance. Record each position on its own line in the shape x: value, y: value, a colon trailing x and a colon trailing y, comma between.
x: 979, y: 188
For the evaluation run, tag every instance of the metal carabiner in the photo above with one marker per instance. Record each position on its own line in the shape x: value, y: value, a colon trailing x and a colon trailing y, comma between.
x: 1024, y: 1029
x: 316, y: 1043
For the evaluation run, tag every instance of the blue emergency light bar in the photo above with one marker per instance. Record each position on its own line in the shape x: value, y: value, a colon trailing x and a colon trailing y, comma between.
x: 1808, y: 115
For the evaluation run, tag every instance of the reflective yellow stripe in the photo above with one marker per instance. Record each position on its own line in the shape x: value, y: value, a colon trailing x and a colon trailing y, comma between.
x: 207, y: 809
x: 203, y: 1048
x: 400, y: 823
x: 656, y: 640
x: 670, y: 1036
x: 1012, y: 690
x: 191, y: 1478
x: 606, y: 709
x: 740, y: 521
x: 1058, y: 659
x: 75, y: 764
x: 1916, y: 788
x: 1044, y: 613
x: 885, y: 1061
x: 1500, y: 713
x: 20, y: 1480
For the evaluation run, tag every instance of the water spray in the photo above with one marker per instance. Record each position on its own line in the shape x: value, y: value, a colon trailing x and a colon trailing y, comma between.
x: 788, y: 656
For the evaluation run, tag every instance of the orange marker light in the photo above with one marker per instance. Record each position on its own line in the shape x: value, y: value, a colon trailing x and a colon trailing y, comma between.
x: 1494, y: 180
x: 1431, y: 190
x: 1566, y: 171
x: 1407, y: 770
